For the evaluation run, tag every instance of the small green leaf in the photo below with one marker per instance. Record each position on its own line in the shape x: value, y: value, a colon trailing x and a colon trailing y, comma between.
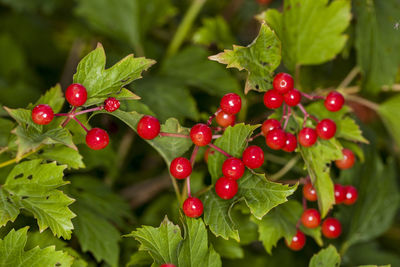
x: 317, y: 160
x: 311, y: 31
x: 259, y: 59
x: 12, y: 252
x: 63, y: 155
x: 162, y: 242
x: 214, y: 31
x: 140, y: 258
x: 24, y: 118
x: 389, y: 111
x: 33, y: 186
x: 100, y: 82
x: 327, y: 257
x: 123, y: 94
x: 54, y: 97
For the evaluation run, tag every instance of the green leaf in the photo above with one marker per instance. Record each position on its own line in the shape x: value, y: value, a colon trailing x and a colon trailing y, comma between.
x: 140, y: 258
x: 389, y: 111
x: 96, y: 234
x: 234, y: 142
x: 315, y: 233
x: 347, y: 128
x: 5, y: 128
x: 311, y: 31
x: 376, y: 40
x: 371, y: 253
x: 191, y: 68
x: 63, y: 155
x: 168, y: 147
x: 280, y: 222
x: 259, y: 59
x: 33, y: 186
x: 8, y: 211
x: 12, y: 253
x: 194, y: 250
x: 123, y: 94
x: 217, y: 216
x: 24, y: 118
x: 317, y: 160
x: 327, y: 257
x: 162, y: 242
x: 214, y: 31
x: 100, y: 82
x: 54, y: 97
x: 227, y: 248
x: 262, y: 195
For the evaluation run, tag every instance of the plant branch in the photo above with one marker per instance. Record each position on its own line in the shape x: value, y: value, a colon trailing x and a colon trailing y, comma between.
x: 289, y: 165
x: 369, y: 104
x: 15, y: 160
x: 349, y: 78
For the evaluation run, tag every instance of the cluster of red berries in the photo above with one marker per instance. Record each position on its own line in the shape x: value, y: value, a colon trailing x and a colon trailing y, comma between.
x: 76, y: 95
x: 283, y: 92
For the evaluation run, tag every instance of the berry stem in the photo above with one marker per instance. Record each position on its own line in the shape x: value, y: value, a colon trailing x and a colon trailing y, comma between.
x: 219, y: 150
x: 287, y: 118
x: 80, y: 123
x: 254, y: 137
x: 311, y: 97
x: 88, y: 110
x: 68, y: 118
x: 173, y: 135
x: 62, y: 114
x: 216, y: 136
x: 284, y: 113
x: 192, y: 161
x: 210, y: 119
x: 306, y: 115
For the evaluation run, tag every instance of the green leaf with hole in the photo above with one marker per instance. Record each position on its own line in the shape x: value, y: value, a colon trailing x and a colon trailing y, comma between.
x: 12, y: 252
x: 63, y: 155
x: 259, y: 59
x: 327, y: 257
x: 32, y: 186
x: 317, y: 160
x: 311, y: 31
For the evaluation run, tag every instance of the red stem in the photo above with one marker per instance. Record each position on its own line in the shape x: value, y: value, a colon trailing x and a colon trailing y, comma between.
x: 284, y: 113
x: 62, y: 114
x: 80, y: 123
x: 192, y: 161
x: 68, y: 118
x: 88, y: 110
x: 174, y: 135
x: 219, y: 150
x: 254, y: 137
x: 311, y: 97
x: 287, y: 118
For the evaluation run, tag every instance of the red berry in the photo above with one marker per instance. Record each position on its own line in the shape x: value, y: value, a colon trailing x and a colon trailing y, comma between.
x: 167, y: 265
x: 272, y: 99
x: 76, y: 94
x: 340, y: 193
x: 226, y: 188
x: 298, y: 241
x: 351, y: 195
x: 309, y: 192
x: 193, y: 207
x: 269, y: 125
x: 225, y: 119
x: 291, y: 143
x: 233, y: 168
x: 148, y: 127
x: 97, y: 139
x: 276, y: 139
x: 310, y: 218
x: 326, y: 129
x: 253, y: 157
x: 347, y: 161
x: 207, y: 153
x: 231, y: 103
x: 111, y: 104
x: 331, y: 228
x: 180, y: 168
x: 283, y: 83
x: 307, y: 137
x: 42, y: 114
x: 201, y: 134
x: 334, y: 101
x: 292, y: 98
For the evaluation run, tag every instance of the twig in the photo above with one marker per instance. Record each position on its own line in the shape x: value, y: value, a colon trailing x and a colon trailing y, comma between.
x: 80, y: 123
x: 349, y: 78
x: 219, y: 150
x: 287, y: 118
x: 15, y: 160
x: 174, y: 135
x: 363, y: 101
x: 88, y: 110
x: 290, y: 164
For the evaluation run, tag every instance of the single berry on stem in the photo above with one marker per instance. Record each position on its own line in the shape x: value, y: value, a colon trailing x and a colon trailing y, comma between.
x: 309, y: 192
x: 292, y: 98
x: 225, y: 119
x: 291, y: 143
x: 298, y: 241
x: 307, y: 137
x: 226, y: 188
x: 42, y: 114
x: 233, y: 168
x: 311, y: 218
x: 326, y: 129
x: 193, y: 207
x: 148, y: 127
x: 331, y: 228
x: 97, y: 139
x: 180, y: 168
x: 231, y: 103
x: 201, y: 134
x: 272, y: 99
x: 351, y: 195
x: 276, y: 139
x: 253, y: 157
x: 283, y: 83
x: 111, y: 104
x: 340, y: 193
x: 334, y: 101
x: 76, y: 94
x: 347, y: 161
x: 269, y: 125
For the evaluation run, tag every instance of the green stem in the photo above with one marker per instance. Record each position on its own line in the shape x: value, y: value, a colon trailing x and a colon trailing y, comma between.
x: 349, y: 78
x: 15, y: 160
x: 185, y: 27
x: 289, y: 165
